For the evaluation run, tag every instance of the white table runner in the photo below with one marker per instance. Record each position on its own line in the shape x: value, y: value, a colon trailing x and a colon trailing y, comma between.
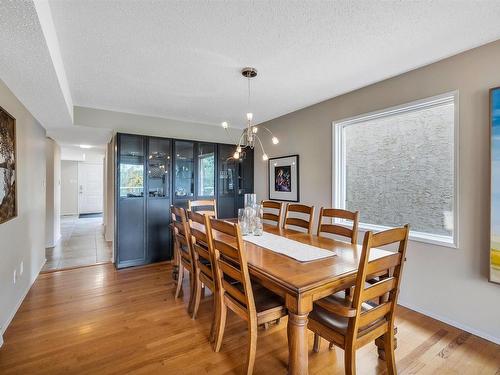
x: 293, y: 249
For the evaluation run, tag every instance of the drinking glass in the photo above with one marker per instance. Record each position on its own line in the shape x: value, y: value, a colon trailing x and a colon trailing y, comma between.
x: 250, y: 200
x: 258, y: 228
x: 243, y: 221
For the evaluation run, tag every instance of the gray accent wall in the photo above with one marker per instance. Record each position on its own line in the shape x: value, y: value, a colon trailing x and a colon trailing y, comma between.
x: 446, y: 283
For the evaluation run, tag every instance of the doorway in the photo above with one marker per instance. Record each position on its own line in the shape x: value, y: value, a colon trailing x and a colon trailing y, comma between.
x: 82, y: 232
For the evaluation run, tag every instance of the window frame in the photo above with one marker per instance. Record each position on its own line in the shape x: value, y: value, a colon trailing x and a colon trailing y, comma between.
x: 339, y: 167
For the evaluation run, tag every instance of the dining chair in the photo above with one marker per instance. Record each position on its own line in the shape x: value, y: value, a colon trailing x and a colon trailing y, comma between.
x: 300, y: 209
x: 354, y: 322
x: 273, y: 211
x: 207, y: 206
x: 203, y: 258
x: 182, y: 245
x: 337, y: 229
x: 251, y: 302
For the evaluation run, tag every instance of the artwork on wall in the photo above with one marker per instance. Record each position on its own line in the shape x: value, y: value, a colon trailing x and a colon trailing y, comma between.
x: 8, y: 201
x: 284, y: 178
x: 495, y: 185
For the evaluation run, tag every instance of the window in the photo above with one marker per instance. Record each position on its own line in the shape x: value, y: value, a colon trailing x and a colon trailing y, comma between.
x: 399, y: 166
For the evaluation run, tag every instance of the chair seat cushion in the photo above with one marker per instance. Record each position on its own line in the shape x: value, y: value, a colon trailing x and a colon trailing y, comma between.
x: 339, y: 323
x: 205, y: 262
x: 264, y: 299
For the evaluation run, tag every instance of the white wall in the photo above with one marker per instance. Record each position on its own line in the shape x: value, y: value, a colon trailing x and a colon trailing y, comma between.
x: 76, y: 153
x: 53, y: 193
x: 154, y: 126
x: 23, y: 239
x: 109, y: 209
x: 69, y: 187
x: 449, y: 284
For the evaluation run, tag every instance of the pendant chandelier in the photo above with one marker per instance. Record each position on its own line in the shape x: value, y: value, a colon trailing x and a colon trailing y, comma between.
x: 249, y: 137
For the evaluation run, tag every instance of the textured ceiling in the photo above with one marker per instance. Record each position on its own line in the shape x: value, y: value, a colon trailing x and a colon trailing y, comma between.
x: 181, y: 60
x: 26, y: 65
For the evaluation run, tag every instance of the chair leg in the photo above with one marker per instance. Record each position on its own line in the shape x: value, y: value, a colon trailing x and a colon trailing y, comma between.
x: 216, y: 318
x: 192, y: 291
x: 390, y: 359
x: 266, y: 326
x: 252, y: 346
x: 196, y: 295
x: 317, y: 343
x: 350, y: 360
x: 221, y: 326
x: 180, y: 277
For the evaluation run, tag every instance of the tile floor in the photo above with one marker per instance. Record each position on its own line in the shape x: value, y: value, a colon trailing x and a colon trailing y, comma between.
x: 82, y: 243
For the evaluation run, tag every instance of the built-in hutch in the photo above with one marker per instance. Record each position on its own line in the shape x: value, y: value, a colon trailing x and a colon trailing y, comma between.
x: 153, y: 173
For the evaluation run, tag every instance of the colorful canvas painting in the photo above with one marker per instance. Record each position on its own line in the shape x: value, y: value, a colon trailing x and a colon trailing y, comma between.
x: 8, y: 203
x: 495, y: 185
x: 284, y: 178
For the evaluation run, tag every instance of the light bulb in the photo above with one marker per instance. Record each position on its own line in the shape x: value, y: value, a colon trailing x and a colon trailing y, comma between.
x: 255, y: 129
x: 275, y: 140
x: 249, y: 116
x: 238, y: 149
x: 225, y: 125
x: 236, y: 155
x: 265, y: 157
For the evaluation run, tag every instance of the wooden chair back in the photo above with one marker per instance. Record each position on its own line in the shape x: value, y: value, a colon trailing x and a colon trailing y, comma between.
x: 337, y: 229
x: 308, y: 211
x: 230, y: 263
x: 202, y: 254
x: 386, y: 290
x: 181, y: 234
x: 273, y: 211
x: 207, y: 206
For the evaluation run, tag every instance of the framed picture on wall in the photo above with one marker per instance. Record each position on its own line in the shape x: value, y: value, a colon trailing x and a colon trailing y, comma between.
x: 495, y: 185
x: 8, y: 193
x: 284, y: 178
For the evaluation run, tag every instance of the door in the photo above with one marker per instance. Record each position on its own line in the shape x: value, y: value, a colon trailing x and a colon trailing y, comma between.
x: 228, y: 182
x: 90, y: 187
x: 130, y: 201
x: 183, y: 173
x: 158, y: 199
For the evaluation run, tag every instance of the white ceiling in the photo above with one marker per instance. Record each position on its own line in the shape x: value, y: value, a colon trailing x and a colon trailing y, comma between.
x: 181, y: 60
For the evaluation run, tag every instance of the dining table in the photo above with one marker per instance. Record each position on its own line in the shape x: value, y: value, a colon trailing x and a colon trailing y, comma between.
x: 301, y: 283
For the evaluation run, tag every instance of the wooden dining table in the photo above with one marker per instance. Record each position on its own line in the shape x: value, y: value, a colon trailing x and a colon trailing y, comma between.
x: 302, y: 283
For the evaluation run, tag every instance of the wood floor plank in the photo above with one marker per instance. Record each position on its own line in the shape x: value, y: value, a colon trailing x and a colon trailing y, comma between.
x: 97, y: 320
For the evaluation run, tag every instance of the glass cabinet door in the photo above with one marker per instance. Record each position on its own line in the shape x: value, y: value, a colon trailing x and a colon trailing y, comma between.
x: 159, y: 159
x: 131, y: 167
x: 206, y: 170
x: 184, y: 170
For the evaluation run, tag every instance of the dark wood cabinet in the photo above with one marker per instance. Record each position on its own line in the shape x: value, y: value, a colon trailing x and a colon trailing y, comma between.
x: 130, y: 213
x: 153, y: 173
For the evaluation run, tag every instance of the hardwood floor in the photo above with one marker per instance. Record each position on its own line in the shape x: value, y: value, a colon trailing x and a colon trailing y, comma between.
x: 97, y: 320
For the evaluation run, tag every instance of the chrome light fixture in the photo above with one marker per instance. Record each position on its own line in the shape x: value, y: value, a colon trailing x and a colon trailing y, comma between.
x: 249, y: 137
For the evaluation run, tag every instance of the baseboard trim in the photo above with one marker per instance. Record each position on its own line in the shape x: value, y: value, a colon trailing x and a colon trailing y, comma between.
x: 451, y: 322
x: 18, y: 305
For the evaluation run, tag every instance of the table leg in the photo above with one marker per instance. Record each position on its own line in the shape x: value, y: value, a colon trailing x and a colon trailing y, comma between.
x: 297, y: 344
